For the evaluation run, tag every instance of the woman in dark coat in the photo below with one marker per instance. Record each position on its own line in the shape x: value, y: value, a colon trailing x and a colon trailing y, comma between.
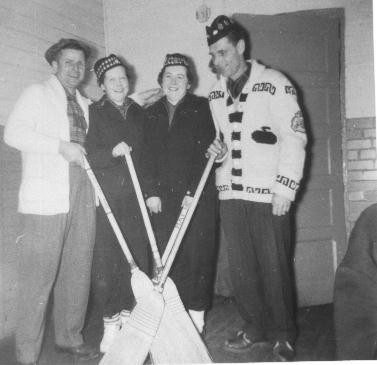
x: 116, y: 124
x: 179, y: 130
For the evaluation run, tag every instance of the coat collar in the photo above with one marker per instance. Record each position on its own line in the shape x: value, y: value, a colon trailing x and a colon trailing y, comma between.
x: 60, y: 96
x: 54, y: 83
x: 256, y: 69
x: 105, y: 103
x: 186, y: 104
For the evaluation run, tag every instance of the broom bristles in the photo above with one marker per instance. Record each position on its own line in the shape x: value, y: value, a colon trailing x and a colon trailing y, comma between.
x: 174, y: 304
x: 177, y: 340
x: 172, y: 344
x: 141, y: 284
x: 132, y: 343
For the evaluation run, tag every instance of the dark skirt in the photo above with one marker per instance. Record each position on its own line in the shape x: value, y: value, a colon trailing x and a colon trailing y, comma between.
x: 111, y: 285
x: 194, y: 267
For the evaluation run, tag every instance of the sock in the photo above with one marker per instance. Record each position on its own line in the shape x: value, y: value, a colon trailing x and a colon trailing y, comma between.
x: 198, y: 319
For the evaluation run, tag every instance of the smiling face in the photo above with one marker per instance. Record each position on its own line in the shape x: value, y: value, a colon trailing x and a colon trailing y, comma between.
x: 175, y: 83
x: 69, y: 68
x: 115, y: 84
x: 228, y: 58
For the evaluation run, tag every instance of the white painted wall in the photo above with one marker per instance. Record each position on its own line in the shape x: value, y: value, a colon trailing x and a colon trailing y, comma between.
x: 143, y: 31
x: 29, y: 27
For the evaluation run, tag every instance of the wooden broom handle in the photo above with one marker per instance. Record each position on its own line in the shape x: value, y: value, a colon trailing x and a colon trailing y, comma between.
x: 182, y: 231
x: 144, y: 212
x: 110, y: 215
x: 174, y: 234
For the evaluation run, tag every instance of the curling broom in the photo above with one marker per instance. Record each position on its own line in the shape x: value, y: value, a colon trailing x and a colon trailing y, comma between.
x: 144, y: 213
x: 173, y: 303
x: 177, y: 340
x: 132, y: 344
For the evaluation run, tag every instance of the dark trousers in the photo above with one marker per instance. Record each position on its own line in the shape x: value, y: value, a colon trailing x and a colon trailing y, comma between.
x: 56, y: 254
x: 259, y: 245
x: 194, y: 267
x: 111, y: 276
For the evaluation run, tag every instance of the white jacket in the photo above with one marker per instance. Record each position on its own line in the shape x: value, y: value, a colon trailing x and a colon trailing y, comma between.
x: 265, y: 134
x: 36, y: 125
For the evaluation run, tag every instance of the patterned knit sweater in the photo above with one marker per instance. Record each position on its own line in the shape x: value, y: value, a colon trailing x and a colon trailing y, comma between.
x: 265, y: 134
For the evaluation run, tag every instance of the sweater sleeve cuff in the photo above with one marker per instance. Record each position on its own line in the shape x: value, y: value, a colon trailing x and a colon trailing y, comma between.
x: 286, y: 187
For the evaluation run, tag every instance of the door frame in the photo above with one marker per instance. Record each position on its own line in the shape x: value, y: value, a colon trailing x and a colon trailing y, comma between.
x: 339, y: 14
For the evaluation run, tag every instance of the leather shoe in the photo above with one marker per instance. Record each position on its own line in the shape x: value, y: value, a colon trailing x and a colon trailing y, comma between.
x: 241, y: 343
x: 283, y: 352
x: 82, y: 352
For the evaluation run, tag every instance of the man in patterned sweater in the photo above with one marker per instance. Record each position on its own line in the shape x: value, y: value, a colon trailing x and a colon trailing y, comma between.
x: 262, y: 153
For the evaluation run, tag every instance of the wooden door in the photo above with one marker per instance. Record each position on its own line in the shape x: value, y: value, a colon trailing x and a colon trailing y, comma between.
x: 305, y: 46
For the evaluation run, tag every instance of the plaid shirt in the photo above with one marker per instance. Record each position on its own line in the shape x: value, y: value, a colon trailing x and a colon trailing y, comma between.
x: 77, y: 122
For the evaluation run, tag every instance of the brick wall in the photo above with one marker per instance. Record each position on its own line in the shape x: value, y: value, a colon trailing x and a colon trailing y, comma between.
x: 361, y: 167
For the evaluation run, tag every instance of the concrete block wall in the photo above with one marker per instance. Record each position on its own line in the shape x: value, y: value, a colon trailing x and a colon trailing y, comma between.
x: 27, y: 29
x: 361, y: 166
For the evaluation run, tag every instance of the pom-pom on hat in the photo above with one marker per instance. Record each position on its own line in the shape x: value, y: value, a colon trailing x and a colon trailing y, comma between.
x: 220, y: 27
x: 65, y: 43
x: 104, y: 64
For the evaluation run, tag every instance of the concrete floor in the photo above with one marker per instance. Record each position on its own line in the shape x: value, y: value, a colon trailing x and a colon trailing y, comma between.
x: 315, y: 341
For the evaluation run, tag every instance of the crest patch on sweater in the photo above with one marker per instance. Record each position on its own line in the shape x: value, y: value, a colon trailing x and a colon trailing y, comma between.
x: 297, y: 123
x: 264, y: 86
x: 264, y: 136
x: 217, y: 94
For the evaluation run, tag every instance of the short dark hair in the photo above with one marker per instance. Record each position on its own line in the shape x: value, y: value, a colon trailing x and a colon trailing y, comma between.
x: 236, y: 34
x: 189, y: 74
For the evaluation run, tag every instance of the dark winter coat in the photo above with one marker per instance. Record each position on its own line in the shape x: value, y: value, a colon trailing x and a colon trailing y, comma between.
x: 176, y: 160
x: 110, y: 271
x: 107, y: 129
x: 177, y: 153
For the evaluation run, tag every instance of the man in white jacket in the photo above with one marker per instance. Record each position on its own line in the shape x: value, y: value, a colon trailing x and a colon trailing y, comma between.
x: 255, y: 109
x: 48, y: 125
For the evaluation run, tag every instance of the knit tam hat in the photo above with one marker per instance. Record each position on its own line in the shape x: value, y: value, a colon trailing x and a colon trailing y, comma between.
x: 220, y: 27
x: 175, y: 59
x: 104, y: 64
